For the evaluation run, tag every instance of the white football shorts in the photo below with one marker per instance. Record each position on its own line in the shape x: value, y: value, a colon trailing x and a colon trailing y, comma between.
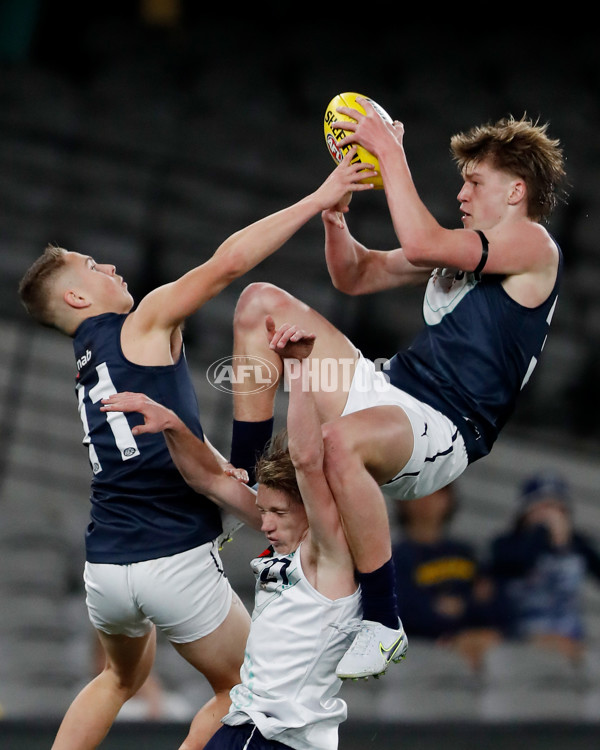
x: 439, y: 455
x: 186, y: 596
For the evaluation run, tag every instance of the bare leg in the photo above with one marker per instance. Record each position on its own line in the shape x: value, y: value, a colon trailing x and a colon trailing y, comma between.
x: 219, y: 657
x: 92, y: 713
x: 362, y: 451
x: 250, y: 340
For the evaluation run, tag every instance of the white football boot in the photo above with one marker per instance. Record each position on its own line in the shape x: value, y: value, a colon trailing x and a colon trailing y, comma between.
x: 372, y: 651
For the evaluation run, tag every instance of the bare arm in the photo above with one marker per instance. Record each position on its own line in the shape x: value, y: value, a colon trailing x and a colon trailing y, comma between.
x: 199, y: 464
x: 424, y: 241
x: 226, y: 466
x: 355, y: 269
x: 517, y: 245
x: 305, y: 441
x: 169, y: 305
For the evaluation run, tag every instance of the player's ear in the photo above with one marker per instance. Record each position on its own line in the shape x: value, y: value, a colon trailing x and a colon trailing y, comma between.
x: 75, y: 300
x: 517, y: 192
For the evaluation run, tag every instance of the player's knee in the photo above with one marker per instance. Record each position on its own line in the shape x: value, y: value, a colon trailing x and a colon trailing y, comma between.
x: 125, y: 685
x: 257, y: 300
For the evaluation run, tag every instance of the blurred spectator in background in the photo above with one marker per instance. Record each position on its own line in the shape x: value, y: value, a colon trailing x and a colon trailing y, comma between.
x: 541, y: 564
x: 442, y: 592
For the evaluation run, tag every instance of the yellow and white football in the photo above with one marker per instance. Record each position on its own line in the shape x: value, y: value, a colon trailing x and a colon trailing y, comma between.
x: 334, y: 135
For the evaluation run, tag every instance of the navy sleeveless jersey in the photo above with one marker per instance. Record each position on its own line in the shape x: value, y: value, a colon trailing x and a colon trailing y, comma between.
x: 141, y: 507
x: 475, y: 354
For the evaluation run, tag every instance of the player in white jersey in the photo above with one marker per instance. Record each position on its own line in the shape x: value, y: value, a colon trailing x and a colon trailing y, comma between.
x: 306, y: 602
x: 492, y: 288
x: 307, y: 597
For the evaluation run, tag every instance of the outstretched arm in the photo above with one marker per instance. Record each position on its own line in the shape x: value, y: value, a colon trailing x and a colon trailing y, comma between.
x: 169, y: 305
x: 199, y: 464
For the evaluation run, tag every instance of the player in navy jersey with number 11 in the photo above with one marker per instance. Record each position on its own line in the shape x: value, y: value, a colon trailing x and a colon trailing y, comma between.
x: 151, y: 552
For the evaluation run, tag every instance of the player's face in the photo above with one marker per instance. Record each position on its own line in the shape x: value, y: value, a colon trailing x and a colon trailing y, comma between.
x: 99, y: 283
x: 486, y: 195
x: 284, y: 520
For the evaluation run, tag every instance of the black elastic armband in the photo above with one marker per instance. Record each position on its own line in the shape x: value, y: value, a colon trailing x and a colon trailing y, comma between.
x: 484, y: 253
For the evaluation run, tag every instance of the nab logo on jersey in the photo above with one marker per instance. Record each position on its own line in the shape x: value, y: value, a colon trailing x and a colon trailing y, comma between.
x: 82, y: 361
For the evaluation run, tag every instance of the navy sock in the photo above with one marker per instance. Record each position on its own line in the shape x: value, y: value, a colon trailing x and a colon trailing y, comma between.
x: 378, y: 594
x: 248, y: 441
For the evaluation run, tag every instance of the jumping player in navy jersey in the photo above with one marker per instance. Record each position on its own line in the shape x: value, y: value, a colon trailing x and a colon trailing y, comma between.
x: 151, y: 553
x: 492, y: 286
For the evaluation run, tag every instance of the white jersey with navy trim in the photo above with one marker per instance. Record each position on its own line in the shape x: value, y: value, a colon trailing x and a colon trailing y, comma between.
x: 288, y: 682
x: 141, y: 507
x: 478, y: 349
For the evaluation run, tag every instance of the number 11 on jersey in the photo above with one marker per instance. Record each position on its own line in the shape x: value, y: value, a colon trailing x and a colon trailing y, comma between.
x: 117, y: 421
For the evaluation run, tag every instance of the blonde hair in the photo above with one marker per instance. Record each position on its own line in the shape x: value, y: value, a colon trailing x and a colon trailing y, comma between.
x: 520, y: 147
x: 35, y: 286
x: 274, y: 469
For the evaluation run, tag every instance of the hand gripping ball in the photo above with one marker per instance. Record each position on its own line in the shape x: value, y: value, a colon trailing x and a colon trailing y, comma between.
x: 334, y: 135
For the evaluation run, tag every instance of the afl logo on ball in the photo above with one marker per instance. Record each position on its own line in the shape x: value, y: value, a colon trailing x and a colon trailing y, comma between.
x: 334, y: 149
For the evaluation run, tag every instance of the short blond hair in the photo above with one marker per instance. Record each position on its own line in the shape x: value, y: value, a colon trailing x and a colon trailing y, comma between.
x: 35, y: 286
x: 522, y: 148
x: 274, y: 469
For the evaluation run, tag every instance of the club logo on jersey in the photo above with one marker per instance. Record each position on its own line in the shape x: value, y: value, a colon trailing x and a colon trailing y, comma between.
x: 248, y: 374
x: 82, y: 361
x: 445, y: 290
